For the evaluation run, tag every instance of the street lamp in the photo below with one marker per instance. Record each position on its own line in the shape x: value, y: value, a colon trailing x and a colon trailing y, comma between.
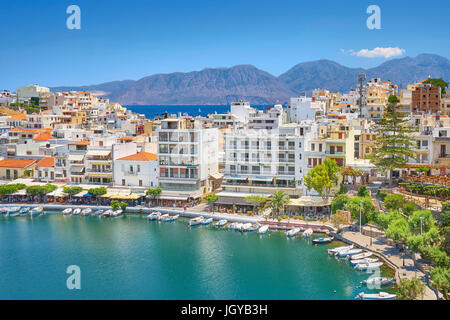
x: 421, y: 224
x: 360, y: 210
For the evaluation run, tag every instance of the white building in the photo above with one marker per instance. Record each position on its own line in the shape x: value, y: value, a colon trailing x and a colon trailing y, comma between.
x: 136, y: 170
x: 32, y: 91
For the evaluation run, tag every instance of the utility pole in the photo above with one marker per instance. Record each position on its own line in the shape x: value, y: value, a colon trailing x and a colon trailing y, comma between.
x: 362, y: 92
x: 360, y: 215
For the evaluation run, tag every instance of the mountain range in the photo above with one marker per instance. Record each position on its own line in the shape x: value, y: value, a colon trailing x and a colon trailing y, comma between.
x: 221, y: 86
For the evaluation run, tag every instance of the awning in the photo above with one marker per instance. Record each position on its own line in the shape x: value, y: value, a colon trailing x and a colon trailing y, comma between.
x: 98, y: 153
x: 77, y: 169
x: 76, y: 157
x: 308, y: 201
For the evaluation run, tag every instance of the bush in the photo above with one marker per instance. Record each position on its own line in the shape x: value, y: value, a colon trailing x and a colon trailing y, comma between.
x: 97, y: 191
x: 363, y: 192
x: 72, y: 190
x: 41, y: 190
x: 342, y: 189
x: 339, y: 202
x: 409, y: 207
x: 381, y: 195
x: 394, y: 201
x: 436, y: 255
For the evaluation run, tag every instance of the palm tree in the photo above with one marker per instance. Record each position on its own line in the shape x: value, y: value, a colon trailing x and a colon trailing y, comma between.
x: 277, y: 201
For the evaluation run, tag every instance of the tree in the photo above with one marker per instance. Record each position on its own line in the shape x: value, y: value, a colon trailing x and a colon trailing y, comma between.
x: 436, y: 255
x: 398, y: 230
x: 72, y: 190
x: 427, y: 221
x: 211, y: 198
x: 394, y: 144
x: 154, y: 192
x: 322, y: 178
x: 440, y: 279
x: 409, y: 207
x: 338, y: 203
x: 277, y: 201
x: 363, y: 192
x: 410, y: 289
x: 115, y: 205
x: 354, y: 205
x: 97, y: 192
x: 438, y: 83
x: 415, y: 243
x: 394, y: 201
x: 257, y: 201
x: 123, y: 206
x: 338, y: 219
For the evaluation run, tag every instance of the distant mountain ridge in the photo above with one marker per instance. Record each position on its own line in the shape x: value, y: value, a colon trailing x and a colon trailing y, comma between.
x: 224, y: 85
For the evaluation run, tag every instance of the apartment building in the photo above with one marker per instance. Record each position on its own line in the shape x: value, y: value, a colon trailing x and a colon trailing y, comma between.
x: 426, y: 99
x: 136, y: 170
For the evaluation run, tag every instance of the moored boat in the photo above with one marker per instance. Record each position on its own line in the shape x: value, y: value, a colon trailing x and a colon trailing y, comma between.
x: 362, y: 255
x: 308, y: 232
x: 98, y: 212
x: 36, y: 211
x: 254, y: 227
x: 13, y: 211
x: 368, y: 266
x: 246, y: 227
x: 263, y: 229
x: 293, y: 232
x: 24, y: 211
x: 207, y: 221
x: 107, y: 213
x: 3, y: 210
x: 154, y: 216
x: 195, y: 221
x: 364, y: 260
x: 86, y: 212
x: 76, y: 211
x: 378, y: 281
x: 338, y: 249
x: 67, y: 211
x: 376, y: 296
x: 168, y: 218
x: 323, y: 240
x: 117, y: 213
x: 351, y: 252
x: 164, y: 217
x: 221, y: 223
x: 232, y: 226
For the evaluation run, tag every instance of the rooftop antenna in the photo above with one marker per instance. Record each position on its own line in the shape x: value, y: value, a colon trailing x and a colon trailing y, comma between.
x: 362, y: 92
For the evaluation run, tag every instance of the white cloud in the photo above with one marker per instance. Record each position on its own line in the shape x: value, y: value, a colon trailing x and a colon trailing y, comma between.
x: 378, y: 52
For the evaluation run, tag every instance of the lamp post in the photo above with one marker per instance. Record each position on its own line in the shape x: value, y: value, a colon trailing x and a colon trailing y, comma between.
x: 360, y: 214
x: 421, y: 224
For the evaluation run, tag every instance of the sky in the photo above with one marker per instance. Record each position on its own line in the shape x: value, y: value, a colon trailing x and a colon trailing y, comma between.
x: 121, y: 40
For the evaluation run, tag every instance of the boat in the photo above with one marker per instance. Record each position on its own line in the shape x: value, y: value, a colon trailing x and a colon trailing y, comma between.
x: 167, y: 217
x: 86, y: 212
x: 232, y: 226
x: 24, y: 211
x: 323, y: 240
x: 364, y: 260
x: 164, y: 217
x: 376, y: 296
x: 368, y: 266
x: 76, y: 211
x: 13, y: 211
x: 263, y: 229
x: 239, y: 226
x: 107, y: 213
x: 3, y: 210
x: 254, y: 227
x: 338, y: 249
x: 350, y: 252
x: 98, y: 212
x: 293, y: 232
x: 207, y: 221
x: 362, y: 255
x: 246, y: 227
x: 154, y: 216
x: 117, y: 213
x: 308, y: 232
x: 221, y: 223
x: 378, y: 281
x: 174, y: 217
x: 195, y: 221
x: 67, y: 211
x: 36, y: 211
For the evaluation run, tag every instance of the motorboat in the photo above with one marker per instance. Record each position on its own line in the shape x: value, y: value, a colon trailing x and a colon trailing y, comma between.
x: 117, y: 213
x: 195, y: 221
x: 350, y: 252
x: 13, y: 211
x: 376, y: 296
x: 24, y: 211
x: 338, y: 249
x: 221, y: 223
x: 368, y: 266
x: 36, y: 211
x: 98, y: 213
x: 364, y: 260
x: 164, y: 217
x: 254, y: 227
x: 154, y: 216
x: 76, y: 212
x: 107, y: 213
x: 233, y: 226
x: 293, y: 232
x: 246, y: 227
x: 323, y: 240
x: 362, y: 255
x: 67, y: 211
x: 3, y: 210
x: 207, y: 221
x: 239, y: 226
x: 378, y: 281
x: 308, y: 232
x: 86, y: 212
x: 168, y: 218
x: 263, y: 229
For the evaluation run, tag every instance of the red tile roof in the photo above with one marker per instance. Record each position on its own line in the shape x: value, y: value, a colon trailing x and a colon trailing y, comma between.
x: 140, y: 156
x: 43, y: 137
x: 16, y: 163
x: 46, y: 162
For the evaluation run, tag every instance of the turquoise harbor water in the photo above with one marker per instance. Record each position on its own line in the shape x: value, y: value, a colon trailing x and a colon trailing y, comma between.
x: 131, y: 258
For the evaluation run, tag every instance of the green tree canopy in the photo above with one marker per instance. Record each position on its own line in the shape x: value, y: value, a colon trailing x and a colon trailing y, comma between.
x: 41, y: 190
x: 398, y: 230
x: 440, y: 279
x: 394, y: 201
x: 438, y: 83
x: 97, y: 192
x: 338, y: 203
x: 154, y: 192
x: 211, y: 198
x: 354, y: 205
x: 410, y: 289
x: 277, y: 201
x: 321, y: 178
x: 72, y: 190
x: 363, y: 192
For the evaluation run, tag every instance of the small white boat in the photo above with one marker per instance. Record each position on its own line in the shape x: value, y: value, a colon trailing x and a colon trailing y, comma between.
x: 3, y: 210
x: 154, y: 216
x: 378, y: 281
x: 117, y: 213
x: 322, y: 240
x: 221, y: 223
x: 107, y: 213
x: 368, y: 266
x: 195, y: 221
x: 86, y: 212
x: 293, y: 232
x: 232, y: 226
x: 246, y: 227
x: 164, y: 217
x: 308, y: 232
x: 364, y: 260
x: 263, y: 229
x: 76, y: 211
x: 207, y: 221
x: 350, y: 252
x: 362, y: 255
x: 36, y: 211
x: 67, y: 211
x: 376, y: 296
x: 167, y: 218
x: 239, y: 226
x: 338, y: 249
x: 13, y: 211
x: 254, y: 227
x: 98, y: 213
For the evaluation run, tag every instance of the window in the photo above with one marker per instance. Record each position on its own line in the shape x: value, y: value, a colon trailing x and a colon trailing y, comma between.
x: 123, y: 182
x: 139, y: 168
x: 312, y: 147
x: 140, y: 183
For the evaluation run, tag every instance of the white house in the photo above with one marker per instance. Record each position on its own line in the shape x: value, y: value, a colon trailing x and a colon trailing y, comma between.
x: 137, y: 170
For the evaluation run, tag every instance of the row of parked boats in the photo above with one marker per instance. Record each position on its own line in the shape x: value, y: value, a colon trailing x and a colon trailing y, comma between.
x: 89, y: 212
x: 162, y: 217
x: 19, y: 211
x: 363, y: 261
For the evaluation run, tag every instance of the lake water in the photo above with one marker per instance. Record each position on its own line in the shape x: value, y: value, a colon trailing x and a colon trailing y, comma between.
x: 131, y: 258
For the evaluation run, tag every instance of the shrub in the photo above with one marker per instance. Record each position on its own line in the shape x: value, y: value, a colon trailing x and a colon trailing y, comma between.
x: 363, y: 192
x: 394, y: 201
x: 97, y: 191
x: 339, y: 202
x: 409, y: 207
x: 381, y: 195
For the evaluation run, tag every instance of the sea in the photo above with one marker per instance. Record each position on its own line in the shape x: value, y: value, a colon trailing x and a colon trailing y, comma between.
x: 132, y: 258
